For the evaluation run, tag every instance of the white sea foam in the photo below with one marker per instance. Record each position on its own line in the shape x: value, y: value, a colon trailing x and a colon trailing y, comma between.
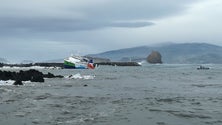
x: 7, y: 82
x: 142, y: 62
x: 31, y: 67
x: 79, y: 76
x: 9, y: 67
x: 25, y: 82
x: 11, y: 82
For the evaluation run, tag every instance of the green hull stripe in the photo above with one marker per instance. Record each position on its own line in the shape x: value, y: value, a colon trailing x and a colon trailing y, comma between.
x: 69, y: 63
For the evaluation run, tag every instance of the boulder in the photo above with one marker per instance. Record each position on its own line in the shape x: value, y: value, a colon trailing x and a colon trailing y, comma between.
x: 154, y: 57
x: 17, y: 82
x: 29, y: 75
x: 50, y: 75
x: 32, y: 75
x: 7, y: 75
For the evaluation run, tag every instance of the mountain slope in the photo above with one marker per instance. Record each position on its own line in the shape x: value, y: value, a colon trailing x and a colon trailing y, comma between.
x: 191, y: 53
x: 171, y: 53
x: 116, y: 55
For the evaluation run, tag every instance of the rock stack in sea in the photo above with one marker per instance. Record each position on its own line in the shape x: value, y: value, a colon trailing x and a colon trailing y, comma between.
x: 154, y: 57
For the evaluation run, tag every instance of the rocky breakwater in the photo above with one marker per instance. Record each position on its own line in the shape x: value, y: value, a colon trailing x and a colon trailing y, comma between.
x: 119, y: 63
x: 29, y: 75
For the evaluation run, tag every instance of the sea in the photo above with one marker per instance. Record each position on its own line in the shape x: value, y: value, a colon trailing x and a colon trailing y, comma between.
x: 163, y: 94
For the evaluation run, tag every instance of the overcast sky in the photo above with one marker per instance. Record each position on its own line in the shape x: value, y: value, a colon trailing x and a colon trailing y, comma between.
x: 51, y: 29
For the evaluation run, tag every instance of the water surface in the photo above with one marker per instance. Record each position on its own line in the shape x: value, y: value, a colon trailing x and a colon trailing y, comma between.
x: 151, y: 94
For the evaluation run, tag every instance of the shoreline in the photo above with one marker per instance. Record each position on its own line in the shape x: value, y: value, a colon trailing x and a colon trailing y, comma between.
x: 62, y: 66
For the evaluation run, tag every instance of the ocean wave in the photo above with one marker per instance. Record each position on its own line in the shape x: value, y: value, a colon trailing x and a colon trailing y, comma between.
x: 31, y: 67
x: 6, y: 82
x: 79, y: 76
x: 10, y: 82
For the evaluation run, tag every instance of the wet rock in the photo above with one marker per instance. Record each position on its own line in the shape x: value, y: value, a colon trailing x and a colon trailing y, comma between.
x: 37, y: 78
x: 50, y: 75
x: 17, y: 82
x: 203, y: 68
x: 1, y: 64
x: 29, y: 75
x: 32, y: 75
x: 154, y: 57
x: 6, y: 75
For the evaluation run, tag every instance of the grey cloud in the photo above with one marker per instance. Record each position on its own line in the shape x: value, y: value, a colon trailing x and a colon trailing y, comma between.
x: 68, y: 16
x: 140, y: 9
x: 20, y: 25
x: 131, y: 24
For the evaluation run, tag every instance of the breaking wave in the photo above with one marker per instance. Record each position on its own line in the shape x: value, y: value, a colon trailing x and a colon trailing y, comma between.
x: 7, y: 82
x: 79, y: 76
x: 10, y: 82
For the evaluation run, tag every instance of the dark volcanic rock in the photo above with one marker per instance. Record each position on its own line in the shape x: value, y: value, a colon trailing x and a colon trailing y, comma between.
x: 6, y: 75
x: 17, y: 82
x: 32, y: 75
x: 154, y: 57
x: 50, y: 75
x: 29, y: 75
